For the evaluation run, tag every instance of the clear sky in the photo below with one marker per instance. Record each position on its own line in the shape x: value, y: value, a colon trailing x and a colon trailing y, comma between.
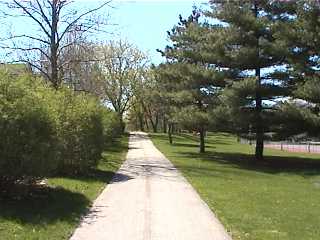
x: 141, y: 22
x: 145, y: 23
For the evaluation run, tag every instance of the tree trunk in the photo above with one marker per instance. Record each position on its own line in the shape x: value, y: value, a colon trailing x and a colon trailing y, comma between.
x: 141, y: 123
x: 258, y: 108
x: 54, y: 47
x: 164, y: 125
x: 155, y: 128
x: 202, y: 140
x: 122, y: 125
x: 170, y: 133
x: 155, y: 124
x: 259, y: 123
x: 147, y: 124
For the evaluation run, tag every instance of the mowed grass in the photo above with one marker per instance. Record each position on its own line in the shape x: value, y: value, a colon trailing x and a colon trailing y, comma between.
x: 276, y: 199
x: 54, y: 213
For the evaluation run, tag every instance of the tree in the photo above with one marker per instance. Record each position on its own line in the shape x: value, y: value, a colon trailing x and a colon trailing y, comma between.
x: 303, y: 40
x: 148, y: 96
x: 190, y: 82
x: 246, y: 44
x: 55, y: 20
x: 122, y: 65
x: 81, y: 70
x: 136, y: 115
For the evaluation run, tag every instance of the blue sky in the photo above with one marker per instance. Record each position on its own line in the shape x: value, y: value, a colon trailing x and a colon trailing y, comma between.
x: 145, y: 23
x: 141, y: 22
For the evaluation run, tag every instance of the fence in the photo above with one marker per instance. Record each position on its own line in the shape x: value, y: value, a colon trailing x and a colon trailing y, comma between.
x: 303, y: 147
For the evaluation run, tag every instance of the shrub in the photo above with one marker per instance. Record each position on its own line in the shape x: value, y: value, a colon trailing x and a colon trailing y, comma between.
x: 27, y: 130
x: 85, y: 128
x: 112, y: 127
x: 45, y: 131
x: 80, y: 132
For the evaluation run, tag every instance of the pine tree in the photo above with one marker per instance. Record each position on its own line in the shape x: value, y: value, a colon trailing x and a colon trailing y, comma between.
x: 304, y: 43
x: 302, y: 38
x: 246, y: 44
x: 190, y: 82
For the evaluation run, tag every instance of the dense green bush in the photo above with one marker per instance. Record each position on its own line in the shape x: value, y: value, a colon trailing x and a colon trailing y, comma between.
x: 45, y: 131
x: 27, y: 129
x: 80, y: 132
x: 112, y: 127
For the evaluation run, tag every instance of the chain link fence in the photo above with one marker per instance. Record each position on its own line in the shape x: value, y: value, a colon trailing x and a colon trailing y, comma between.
x: 303, y: 147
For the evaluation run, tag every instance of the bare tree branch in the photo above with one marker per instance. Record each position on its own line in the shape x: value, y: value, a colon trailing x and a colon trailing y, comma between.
x: 27, y: 49
x: 56, y: 23
x: 43, y: 14
x: 25, y: 36
x: 81, y: 16
x: 25, y: 9
x: 29, y: 63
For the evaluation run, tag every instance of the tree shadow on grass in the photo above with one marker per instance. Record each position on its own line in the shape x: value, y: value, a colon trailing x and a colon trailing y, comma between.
x: 98, y: 175
x: 45, y: 205
x: 115, y: 147
x: 192, y: 145
x: 178, y: 144
x: 189, y: 136
x: 216, y: 140
x: 194, y: 140
x: 271, y: 164
x: 165, y: 137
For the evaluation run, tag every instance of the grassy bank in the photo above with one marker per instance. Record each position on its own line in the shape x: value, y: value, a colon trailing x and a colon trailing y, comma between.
x: 53, y: 213
x: 276, y: 199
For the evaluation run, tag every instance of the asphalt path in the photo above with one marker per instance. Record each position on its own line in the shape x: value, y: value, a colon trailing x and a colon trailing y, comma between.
x: 149, y: 199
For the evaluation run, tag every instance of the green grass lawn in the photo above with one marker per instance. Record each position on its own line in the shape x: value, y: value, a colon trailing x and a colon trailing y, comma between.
x: 54, y: 213
x: 276, y: 199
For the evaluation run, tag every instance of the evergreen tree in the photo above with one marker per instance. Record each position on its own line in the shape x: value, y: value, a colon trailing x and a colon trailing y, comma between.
x: 246, y: 44
x: 189, y: 81
x: 305, y: 57
x: 302, y: 38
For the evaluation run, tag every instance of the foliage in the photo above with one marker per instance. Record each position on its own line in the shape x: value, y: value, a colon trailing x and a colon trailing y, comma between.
x: 122, y: 65
x: 300, y: 114
x: 28, y: 130
x: 192, y: 119
x: 290, y: 115
x: 80, y: 131
x: 147, y: 104
x: 246, y: 45
x: 112, y: 126
x: 230, y: 67
x: 45, y: 131
x: 189, y: 81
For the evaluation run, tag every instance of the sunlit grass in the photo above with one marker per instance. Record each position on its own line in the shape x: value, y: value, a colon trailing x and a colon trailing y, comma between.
x: 276, y: 199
